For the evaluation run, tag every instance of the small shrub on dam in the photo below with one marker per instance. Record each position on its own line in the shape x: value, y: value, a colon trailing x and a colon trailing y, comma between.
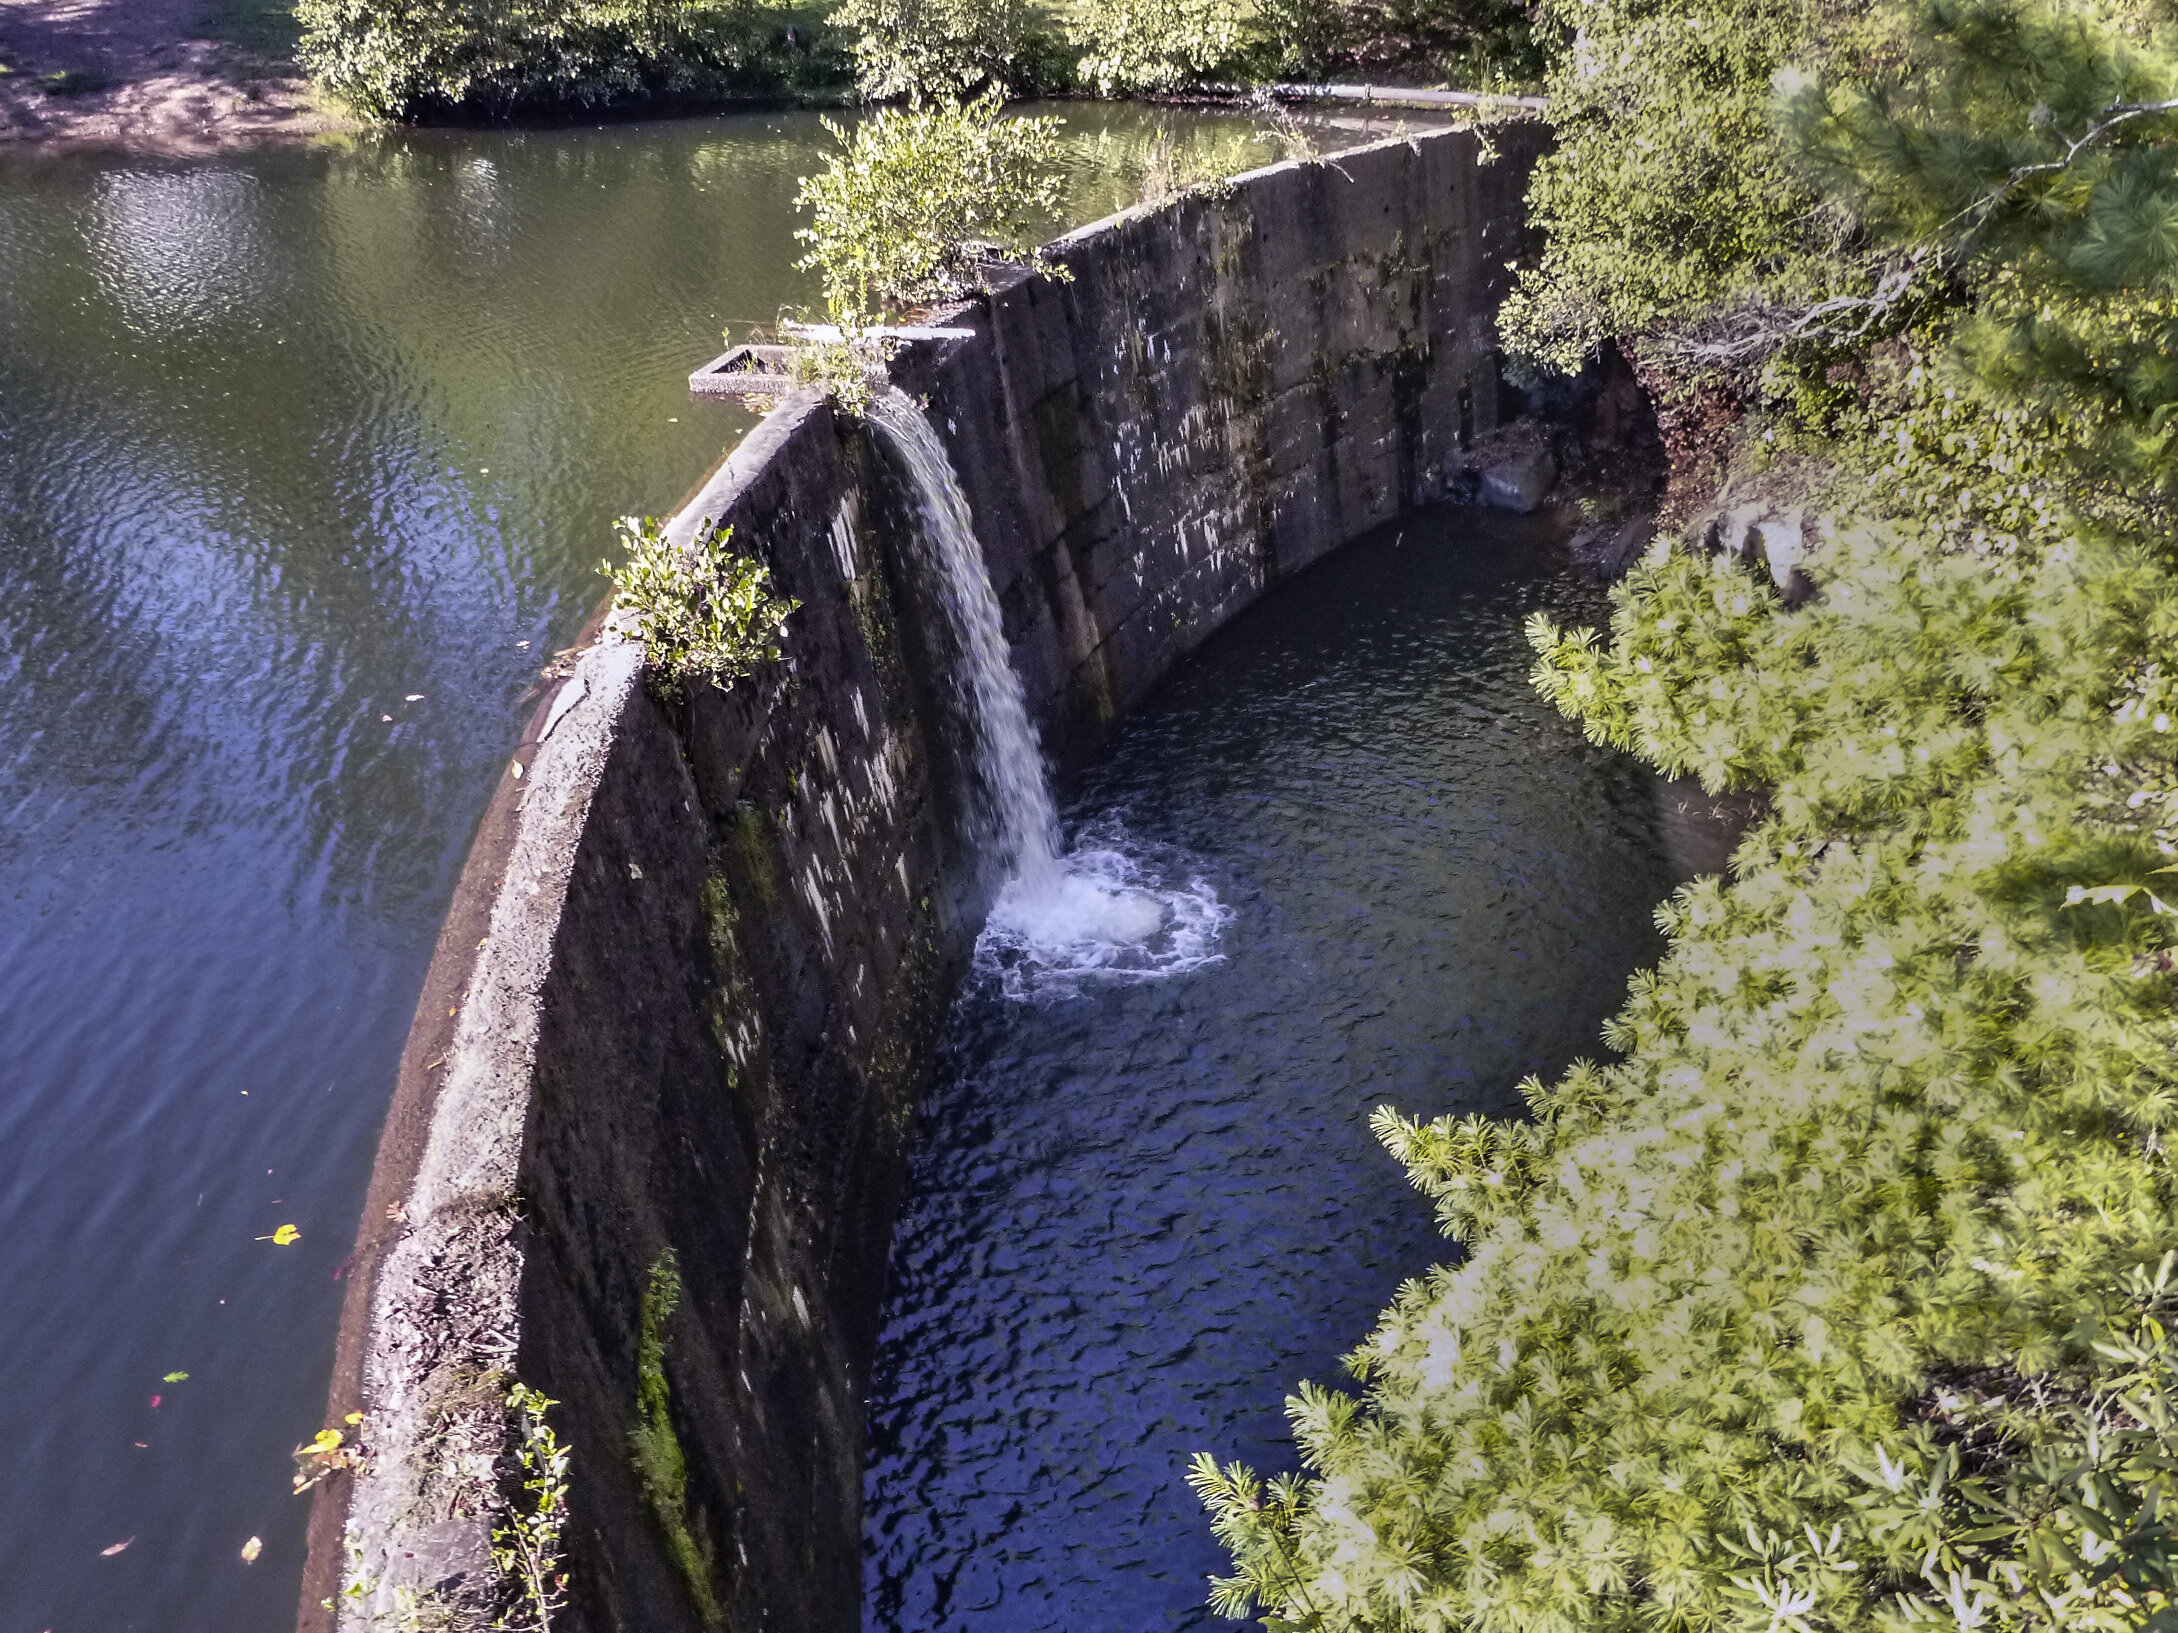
x: 705, y: 614
x: 524, y: 1490
x: 1841, y: 1298
x: 916, y: 197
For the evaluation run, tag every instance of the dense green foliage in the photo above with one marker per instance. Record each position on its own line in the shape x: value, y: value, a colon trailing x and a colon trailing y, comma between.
x: 704, y: 614
x: 1127, y: 47
x: 396, y: 59
x: 940, y: 49
x: 2058, y: 223
x: 1838, y: 1300
x: 901, y: 214
x: 1669, y: 191
x: 401, y: 59
x: 1130, y: 46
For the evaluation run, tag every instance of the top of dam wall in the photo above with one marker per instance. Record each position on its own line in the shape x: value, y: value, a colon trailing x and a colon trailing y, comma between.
x: 647, y: 1140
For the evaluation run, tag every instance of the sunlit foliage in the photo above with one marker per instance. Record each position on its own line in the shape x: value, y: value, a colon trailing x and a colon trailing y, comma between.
x: 900, y: 214
x: 398, y: 59
x: 1838, y: 1299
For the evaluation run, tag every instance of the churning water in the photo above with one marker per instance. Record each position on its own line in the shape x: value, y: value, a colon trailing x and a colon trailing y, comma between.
x: 1064, y: 917
x: 1139, y: 1216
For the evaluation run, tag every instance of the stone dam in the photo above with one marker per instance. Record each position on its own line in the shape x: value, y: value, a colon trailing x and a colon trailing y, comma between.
x: 647, y: 1145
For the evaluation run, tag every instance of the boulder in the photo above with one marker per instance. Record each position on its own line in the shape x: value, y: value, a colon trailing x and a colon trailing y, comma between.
x: 1520, y: 481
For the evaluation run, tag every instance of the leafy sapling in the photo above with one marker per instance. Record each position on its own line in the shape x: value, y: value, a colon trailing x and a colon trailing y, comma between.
x: 705, y: 614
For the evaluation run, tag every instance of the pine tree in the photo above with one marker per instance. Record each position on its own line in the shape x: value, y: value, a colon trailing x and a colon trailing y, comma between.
x: 1837, y: 1299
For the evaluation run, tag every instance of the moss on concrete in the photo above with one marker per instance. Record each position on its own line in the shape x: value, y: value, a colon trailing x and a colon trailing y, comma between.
x: 754, y: 856
x: 661, y: 1467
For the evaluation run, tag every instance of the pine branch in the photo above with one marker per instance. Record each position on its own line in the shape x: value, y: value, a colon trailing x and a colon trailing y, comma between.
x: 1756, y: 330
x: 2112, y: 117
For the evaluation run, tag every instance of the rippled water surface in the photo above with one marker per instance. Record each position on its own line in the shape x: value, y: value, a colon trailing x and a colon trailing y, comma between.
x: 1140, y: 1215
x: 307, y: 458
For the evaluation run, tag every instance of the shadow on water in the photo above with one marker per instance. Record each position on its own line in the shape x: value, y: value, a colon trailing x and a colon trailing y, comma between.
x: 1140, y: 1215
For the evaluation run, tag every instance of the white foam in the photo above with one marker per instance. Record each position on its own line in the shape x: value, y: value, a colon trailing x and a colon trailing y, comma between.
x: 1095, y: 912
x: 1097, y: 915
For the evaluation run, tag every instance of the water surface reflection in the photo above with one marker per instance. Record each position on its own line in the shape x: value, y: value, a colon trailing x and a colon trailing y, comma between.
x: 307, y: 458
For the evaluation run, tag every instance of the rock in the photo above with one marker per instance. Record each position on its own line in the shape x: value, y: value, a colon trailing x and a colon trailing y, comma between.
x: 1520, y: 481
x: 1781, y: 545
x: 1626, y: 543
x: 1739, y: 535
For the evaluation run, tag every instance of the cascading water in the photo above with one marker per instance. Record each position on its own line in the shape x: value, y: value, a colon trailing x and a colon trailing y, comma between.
x: 1095, y: 911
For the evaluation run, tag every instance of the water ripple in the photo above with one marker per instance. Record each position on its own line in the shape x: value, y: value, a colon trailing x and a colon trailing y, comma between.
x: 1139, y: 1215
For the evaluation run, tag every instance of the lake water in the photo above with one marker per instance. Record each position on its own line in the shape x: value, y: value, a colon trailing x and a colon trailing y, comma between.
x: 307, y: 460
x: 1139, y: 1215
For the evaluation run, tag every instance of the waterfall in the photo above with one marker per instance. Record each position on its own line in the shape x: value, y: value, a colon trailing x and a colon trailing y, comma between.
x: 1062, y: 916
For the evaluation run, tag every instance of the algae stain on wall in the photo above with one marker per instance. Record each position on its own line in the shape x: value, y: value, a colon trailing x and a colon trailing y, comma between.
x: 661, y: 1467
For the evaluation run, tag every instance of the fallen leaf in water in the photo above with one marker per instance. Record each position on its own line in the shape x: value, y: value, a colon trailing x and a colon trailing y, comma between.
x: 155, y: 1401
x: 285, y: 1236
x: 251, y: 1549
x: 144, y: 1445
x: 354, y: 1417
x: 175, y: 1378
x: 327, y: 1440
x: 108, y: 1553
x: 413, y: 697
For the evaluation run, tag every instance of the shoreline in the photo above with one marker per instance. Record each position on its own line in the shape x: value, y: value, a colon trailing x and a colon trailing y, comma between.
x: 144, y: 76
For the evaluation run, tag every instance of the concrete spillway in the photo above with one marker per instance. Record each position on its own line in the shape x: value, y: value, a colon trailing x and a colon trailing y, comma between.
x: 686, y: 996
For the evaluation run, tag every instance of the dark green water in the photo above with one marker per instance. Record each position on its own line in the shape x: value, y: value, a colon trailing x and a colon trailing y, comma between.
x: 307, y: 458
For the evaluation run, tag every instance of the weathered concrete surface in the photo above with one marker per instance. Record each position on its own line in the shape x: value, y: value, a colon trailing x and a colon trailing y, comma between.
x: 1229, y: 386
x: 695, y: 965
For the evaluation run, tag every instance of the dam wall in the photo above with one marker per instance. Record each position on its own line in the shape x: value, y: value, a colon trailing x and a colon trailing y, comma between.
x: 647, y: 1143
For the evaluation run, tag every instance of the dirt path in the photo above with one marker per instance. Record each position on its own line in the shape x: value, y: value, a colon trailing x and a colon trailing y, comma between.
x: 147, y: 75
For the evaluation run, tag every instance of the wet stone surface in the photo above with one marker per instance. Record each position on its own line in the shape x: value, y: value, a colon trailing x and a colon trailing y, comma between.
x: 1141, y: 1213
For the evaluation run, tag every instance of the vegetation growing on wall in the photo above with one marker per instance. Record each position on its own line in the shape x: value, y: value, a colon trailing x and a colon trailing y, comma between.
x: 1839, y: 1300
x: 527, y: 1585
x: 704, y: 614
x: 902, y: 214
x: 661, y: 1467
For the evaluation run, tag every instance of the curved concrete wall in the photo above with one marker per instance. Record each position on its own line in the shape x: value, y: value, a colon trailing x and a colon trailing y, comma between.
x: 693, y: 972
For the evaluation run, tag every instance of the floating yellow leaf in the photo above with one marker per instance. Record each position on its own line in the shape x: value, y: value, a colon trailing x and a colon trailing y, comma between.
x: 175, y: 1378
x: 328, y: 1440
x: 285, y: 1236
x: 251, y: 1549
x: 354, y: 1417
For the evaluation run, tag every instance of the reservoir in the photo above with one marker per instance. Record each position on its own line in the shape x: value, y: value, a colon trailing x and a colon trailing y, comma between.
x: 308, y: 457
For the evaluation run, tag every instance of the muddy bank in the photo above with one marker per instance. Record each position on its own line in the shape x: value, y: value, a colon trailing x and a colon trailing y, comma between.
x: 148, y: 75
